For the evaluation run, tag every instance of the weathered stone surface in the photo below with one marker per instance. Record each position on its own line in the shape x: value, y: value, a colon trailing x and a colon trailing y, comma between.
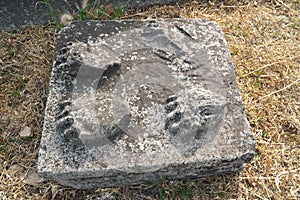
x: 133, y: 101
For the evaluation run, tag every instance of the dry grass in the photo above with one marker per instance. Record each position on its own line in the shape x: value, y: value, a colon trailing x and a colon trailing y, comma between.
x: 264, y: 41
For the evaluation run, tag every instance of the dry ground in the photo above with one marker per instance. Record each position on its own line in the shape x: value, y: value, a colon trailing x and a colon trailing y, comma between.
x: 264, y: 41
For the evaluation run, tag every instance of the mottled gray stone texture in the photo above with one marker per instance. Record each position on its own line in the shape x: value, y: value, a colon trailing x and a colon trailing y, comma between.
x: 136, y: 101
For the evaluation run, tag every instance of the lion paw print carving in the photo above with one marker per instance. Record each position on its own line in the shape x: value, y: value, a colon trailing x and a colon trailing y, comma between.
x: 64, y: 125
x: 189, y: 121
x: 174, y: 115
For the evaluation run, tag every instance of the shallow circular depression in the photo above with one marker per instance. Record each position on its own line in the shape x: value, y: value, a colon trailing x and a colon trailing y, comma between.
x: 141, y: 91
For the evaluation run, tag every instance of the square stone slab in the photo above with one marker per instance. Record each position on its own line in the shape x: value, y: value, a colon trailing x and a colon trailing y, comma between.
x: 136, y: 101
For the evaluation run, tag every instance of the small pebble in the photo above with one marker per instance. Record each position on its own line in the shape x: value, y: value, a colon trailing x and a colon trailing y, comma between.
x: 26, y: 132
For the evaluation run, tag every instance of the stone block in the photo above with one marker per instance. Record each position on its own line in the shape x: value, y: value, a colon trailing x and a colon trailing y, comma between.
x: 135, y: 101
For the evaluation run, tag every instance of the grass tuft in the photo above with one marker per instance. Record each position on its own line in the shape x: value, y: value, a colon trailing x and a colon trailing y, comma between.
x: 97, y: 10
x: 54, y: 15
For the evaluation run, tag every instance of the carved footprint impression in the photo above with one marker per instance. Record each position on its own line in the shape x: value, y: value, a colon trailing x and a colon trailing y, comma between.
x: 188, y: 123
